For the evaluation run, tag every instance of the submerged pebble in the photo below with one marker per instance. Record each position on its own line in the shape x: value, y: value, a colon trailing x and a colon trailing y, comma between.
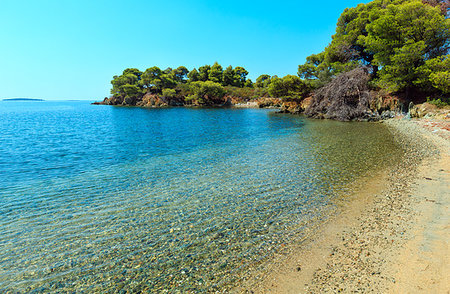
x: 188, y: 221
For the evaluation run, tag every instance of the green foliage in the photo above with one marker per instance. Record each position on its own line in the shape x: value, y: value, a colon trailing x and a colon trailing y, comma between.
x: 288, y: 87
x: 167, y: 80
x: 134, y: 71
x: 132, y: 94
x: 276, y: 88
x: 438, y: 102
x: 183, y: 89
x: 236, y: 77
x: 262, y: 81
x: 248, y: 83
x: 215, y: 73
x: 190, y: 98
x: 180, y: 74
x: 193, y: 75
x: 401, y: 72
x: 228, y: 76
x: 202, y: 86
x: 394, y: 38
x: 315, y: 70
x: 441, y: 81
x: 240, y: 75
x: 443, y: 5
x: 435, y: 74
x: 203, y: 72
x: 169, y: 93
x: 246, y: 93
x: 421, y: 34
x: 206, y: 92
x: 152, y: 78
x: 127, y: 84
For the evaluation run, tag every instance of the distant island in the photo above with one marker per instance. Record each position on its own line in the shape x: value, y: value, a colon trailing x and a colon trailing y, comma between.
x: 23, y: 99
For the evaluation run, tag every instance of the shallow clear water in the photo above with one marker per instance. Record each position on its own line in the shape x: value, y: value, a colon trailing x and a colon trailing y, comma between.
x: 99, y: 198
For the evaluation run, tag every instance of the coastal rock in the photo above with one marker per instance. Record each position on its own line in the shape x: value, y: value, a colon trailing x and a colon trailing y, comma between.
x: 101, y: 102
x: 265, y: 102
x: 387, y: 114
x: 296, y: 107
x: 113, y: 100
x: 262, y: 102
x: 306, y: 102
x: 249, y: 104
x: 152, y: 100
x: 291, y: 107
x: 429, y: 110
x: 382, y: 102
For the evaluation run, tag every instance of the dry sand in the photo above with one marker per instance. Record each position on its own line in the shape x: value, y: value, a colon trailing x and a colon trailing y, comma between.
x: 423, y: 263
x: 391, y: 236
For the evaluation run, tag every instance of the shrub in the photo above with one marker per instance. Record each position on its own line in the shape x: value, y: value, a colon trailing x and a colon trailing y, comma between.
x: 206, y: 92
x: 438, y: 102
x: 246, y: 93
x: 289, y: 87
x: 168, y: 94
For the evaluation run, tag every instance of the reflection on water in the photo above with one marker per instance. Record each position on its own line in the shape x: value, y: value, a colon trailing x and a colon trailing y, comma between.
x: 98, y: 198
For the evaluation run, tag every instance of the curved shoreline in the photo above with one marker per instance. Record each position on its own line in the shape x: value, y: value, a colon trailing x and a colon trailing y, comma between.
x: 391, y: 235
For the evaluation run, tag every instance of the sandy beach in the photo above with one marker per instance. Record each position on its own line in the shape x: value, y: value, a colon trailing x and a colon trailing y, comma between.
x: 391, y: 236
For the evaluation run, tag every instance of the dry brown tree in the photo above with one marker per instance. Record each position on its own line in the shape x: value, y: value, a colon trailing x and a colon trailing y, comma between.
x: 345, y: 98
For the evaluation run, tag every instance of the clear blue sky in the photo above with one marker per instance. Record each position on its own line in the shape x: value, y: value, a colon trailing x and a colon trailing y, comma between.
x: 71, y: 49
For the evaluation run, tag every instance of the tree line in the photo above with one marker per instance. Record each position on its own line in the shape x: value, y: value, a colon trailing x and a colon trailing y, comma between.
x: 403, y: 45
x: 206, y: 85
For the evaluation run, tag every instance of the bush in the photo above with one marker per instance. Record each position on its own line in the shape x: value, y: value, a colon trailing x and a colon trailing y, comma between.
x: 246, y: 93
x: 207, y: 93
x: 441, y: 81
x: 438, y: 102
x: 169, y: 94
x: 183, y: 90
x: 289, y: 88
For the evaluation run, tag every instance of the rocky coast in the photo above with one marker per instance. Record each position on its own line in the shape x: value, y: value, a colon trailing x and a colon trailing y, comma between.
x: 391, y: 236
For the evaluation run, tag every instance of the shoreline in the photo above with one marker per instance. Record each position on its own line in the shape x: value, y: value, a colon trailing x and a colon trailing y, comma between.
x: 246, y: 105
x: 390, y: 236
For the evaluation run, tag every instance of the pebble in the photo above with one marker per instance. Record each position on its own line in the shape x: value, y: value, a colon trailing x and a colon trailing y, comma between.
x: 349, y: 267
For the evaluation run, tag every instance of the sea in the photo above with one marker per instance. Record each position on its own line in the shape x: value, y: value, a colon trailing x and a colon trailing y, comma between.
x: 97, y: 199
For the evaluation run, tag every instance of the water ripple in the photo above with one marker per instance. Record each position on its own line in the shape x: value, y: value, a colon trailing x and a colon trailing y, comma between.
x: 101, y: 199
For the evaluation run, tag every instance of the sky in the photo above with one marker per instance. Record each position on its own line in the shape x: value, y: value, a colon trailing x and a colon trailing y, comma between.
x: 62, y: 49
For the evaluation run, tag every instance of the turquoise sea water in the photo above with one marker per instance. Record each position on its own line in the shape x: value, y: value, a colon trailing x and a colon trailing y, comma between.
x: 100, y: 198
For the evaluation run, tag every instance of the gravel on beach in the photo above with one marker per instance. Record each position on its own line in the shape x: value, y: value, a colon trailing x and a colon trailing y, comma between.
x: 362, y: 261
x: 390, y: 235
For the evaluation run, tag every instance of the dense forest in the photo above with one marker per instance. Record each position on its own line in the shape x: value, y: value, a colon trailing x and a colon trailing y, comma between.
x: 382, y: 51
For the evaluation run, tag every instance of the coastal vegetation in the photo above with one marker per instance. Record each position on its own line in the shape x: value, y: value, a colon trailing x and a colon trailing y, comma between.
x: 403, y: 43
x: 399, y: 48
x: 207, y: 85
x: 384, y: 54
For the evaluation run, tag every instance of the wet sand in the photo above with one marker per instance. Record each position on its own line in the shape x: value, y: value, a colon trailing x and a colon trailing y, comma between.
x: 391, y: 236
